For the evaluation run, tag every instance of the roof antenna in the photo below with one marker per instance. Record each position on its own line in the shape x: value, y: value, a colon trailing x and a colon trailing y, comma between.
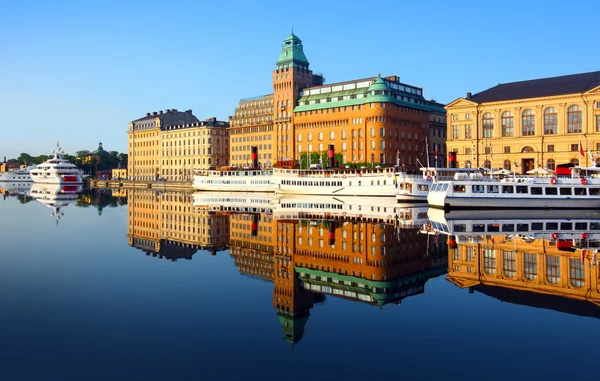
x: 292, y: 29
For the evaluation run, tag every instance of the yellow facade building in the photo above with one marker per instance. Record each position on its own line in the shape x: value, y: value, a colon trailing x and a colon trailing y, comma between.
x: 170, y: 145
x: 525, y: 125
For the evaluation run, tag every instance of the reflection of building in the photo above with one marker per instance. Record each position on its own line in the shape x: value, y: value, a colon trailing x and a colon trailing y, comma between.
x: 306, y: 260
x: 533, y: 123
x: 167, y: 225
x: 174, y: 143
x: 534, y: 273
x: 373, y: 119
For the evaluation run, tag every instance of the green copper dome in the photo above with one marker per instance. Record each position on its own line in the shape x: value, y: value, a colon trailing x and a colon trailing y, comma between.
x: 292, y: 52
x: 379, y: 84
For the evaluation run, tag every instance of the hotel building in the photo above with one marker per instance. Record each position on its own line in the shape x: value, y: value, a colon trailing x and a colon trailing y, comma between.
x: 172, y: 144
x: 528, y: 124
x: 376, y: 120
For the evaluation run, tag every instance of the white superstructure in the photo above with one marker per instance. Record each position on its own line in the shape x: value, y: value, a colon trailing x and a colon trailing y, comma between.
x: 17, y: 175
x: 375, y: 182
x: 415, y: 187
x: 233, y: 179
x: 57, y: 170
x: 580, y: 190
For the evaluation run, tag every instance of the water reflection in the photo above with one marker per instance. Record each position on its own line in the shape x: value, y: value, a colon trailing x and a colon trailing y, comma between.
x: 365, y: 250
x: 56, y: 196
x: 16, y: 189
x: 548, y: 260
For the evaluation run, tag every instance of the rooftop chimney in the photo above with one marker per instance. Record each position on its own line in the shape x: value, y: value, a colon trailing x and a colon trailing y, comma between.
x: 160, y: 112
x: 154, y: 113
x: 147, y: 114
x: 189, y: 111
x: 173, y: 109
x: 468, y: 95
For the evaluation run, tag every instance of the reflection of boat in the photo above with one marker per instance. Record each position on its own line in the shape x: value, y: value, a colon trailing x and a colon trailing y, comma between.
x: 15, y: 188
x: 579, y: 229
x: 579, y: 191
x: 379, y: 209
x: 56, y: 196
x: 253, y: 202
x: 20, y: 175
x: 57, y: 170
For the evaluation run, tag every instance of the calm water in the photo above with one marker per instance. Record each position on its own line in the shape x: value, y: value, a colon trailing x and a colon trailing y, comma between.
x: 148, y: 286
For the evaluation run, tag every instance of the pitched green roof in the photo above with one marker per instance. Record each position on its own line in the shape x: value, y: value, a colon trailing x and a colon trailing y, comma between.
x: 292, y: 51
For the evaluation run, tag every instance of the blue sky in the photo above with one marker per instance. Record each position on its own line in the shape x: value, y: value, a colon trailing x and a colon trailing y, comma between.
x: 79, y: 72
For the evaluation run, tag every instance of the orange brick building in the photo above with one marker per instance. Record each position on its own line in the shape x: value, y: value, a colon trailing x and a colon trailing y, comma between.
x: 378, y: 120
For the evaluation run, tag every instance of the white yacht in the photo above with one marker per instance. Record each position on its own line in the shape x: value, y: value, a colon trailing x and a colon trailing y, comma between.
x: 57, y: 170
x: 56, y: 196
x: 581, y: 190
x: 17, y: 175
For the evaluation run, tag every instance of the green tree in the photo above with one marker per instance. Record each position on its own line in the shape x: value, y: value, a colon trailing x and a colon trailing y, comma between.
x: 82, y: 153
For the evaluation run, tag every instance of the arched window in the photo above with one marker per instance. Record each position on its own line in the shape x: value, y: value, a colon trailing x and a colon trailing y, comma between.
x: 510, y: 263
x: 527, y: 149
x: 528, y: 122
x: 209, y: 161
x: 550, y: 121
x: 507, y: 165
x: 574, y: 120
x: 577, y: 274
x: 550, y: 164
x: 508, y: 124
x: 575, y: 161
x: 488, y: 125
x: 530, y: 261
x: 487, y: 164
x: 209, y: 151
x: 553, y: 269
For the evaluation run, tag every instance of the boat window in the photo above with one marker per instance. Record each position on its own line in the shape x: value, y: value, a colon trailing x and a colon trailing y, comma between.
x: 522, y: 227
x: 508, y: 189
x: 444, y: 187
x: 492, y: 188
x: 508, y: 227
x: 460, y: 228
x: 478, y: 188
x: 459, y: 188
x: 551, y: 191
x: 537, y: 226
x: 522, y: 189
x: 493, y: 228
x: 594, y: 225
x: 478, y: 228
x: 566, y: 226
x: 580, y: 191
x: 580, y: 225
x: 422, y: 187
x: 551, y: 225
x: 565, y: 191
x: 536, y: 190
x: 594, y: 191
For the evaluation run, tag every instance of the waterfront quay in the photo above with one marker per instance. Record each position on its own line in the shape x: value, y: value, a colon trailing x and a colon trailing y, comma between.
x: 145, y: 184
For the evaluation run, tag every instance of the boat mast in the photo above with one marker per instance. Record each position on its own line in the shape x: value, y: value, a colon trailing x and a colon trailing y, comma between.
x: 427, y: 150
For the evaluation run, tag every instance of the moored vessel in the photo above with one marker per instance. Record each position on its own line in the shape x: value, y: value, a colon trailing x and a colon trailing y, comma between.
x: 57, y: 170
x: 17, y: 175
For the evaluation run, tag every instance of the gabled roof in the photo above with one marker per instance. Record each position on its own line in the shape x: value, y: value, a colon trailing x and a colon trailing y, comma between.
x: 536, y: 88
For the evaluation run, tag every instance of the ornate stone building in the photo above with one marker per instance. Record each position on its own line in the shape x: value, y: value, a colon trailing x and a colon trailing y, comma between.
x: 528, y: 124
x: 172, y: 144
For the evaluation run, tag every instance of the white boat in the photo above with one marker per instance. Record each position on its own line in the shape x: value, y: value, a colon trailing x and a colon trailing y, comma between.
x: 17, y: 175
x: 233, y: 179
x: 57, y: 170
x: 415, y: 187
x: 374, y: 209
x: 234, y: 202
x: 580, y: 228
x: 56, y: 196
x: 373, y: 182
x: 581, y: 190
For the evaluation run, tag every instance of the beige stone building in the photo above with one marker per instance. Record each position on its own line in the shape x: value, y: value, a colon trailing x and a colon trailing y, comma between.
x: 171, y: 144
x: 526, y: 125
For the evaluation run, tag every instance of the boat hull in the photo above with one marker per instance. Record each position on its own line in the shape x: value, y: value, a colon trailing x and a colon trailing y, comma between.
x: 57, y: 179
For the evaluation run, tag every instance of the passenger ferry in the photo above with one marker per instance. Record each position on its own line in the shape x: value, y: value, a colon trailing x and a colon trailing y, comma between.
x: 234, y: 202
x: 415, y: 187
x: 56, y: 196
x: 57, y: 170
x: 17, y: 175
x: 579, y: 228
x: 372, y: 209
x: 233, y: 179
x: 580, y: 190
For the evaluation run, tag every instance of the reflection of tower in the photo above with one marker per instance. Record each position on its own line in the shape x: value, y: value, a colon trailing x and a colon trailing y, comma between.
x: 331, y: 233
x: 254, y: 225
x: 291, y: 301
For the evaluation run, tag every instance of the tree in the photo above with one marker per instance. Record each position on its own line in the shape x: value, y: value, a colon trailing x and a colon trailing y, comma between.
x: 82, y: 153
